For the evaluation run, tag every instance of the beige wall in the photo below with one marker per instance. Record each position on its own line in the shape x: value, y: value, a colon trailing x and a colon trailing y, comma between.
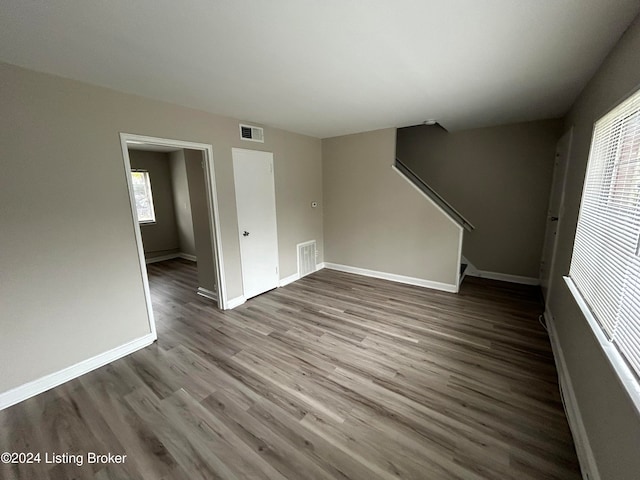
x: 299, y: 172
x: 612, y: 423
x: 499, y: 178
x: 70, y: 276
x: 182, y: 203
x: 159, y: 238
x: 201, y: 223
x: 375, y: 220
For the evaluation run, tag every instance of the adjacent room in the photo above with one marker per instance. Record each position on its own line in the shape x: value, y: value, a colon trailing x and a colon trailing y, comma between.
x: 328, y: 240
x: 176, y: 222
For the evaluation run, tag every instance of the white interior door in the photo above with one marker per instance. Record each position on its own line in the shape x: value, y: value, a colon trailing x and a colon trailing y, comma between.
x: 554, y: 213
x: 256, y: 204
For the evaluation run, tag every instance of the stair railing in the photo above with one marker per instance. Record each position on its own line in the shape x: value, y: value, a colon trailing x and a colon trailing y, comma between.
x: 433, y: 195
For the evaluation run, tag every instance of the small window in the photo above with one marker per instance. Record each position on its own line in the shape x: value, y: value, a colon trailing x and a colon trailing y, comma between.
x: 605, y: 266
x: 142, y: 193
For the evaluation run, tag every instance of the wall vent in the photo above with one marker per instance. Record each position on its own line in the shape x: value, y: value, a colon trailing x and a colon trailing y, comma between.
x: 306, y: 258
x: 251, y: 133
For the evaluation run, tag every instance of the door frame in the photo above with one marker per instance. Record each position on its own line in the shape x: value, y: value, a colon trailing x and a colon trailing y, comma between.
x: 212, y: 209
x: 554, y: 248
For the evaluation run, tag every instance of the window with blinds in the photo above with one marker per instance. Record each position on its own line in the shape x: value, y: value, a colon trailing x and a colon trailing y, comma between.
x: 605, y: 266
x: 142, y: 194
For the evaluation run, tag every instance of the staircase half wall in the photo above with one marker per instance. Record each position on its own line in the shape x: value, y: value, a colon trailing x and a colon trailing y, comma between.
x: 499, y: 178
x: 377, y: 223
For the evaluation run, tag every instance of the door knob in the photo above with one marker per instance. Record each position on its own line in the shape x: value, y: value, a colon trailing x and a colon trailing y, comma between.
x: 554, y: 219
x: 245, y: 234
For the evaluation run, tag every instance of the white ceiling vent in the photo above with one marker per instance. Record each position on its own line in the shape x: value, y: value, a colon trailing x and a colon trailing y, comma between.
x: 251, y: 133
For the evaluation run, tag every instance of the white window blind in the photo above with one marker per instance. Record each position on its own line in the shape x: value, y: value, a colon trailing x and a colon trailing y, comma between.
x: 605, y: 266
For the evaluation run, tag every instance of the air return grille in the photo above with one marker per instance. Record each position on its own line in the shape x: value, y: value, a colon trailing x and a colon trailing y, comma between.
x: 306, y: 258
x: 251, y: 133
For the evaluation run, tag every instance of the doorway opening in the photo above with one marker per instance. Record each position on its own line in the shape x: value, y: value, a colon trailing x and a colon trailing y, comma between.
x: 174, y: 209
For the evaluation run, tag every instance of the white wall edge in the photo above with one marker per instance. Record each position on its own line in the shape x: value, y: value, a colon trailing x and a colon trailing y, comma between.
x: 35, y: 387
x: 586, y: 459
x: 290, y: 279
x: 235, y: 302
x: 505, y: 277
x: 203, y: 292
x: 187, y: 256
x: 320, y: 266
x: 420, y: 282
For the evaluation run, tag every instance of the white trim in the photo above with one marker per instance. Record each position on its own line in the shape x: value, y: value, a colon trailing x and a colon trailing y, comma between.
x: 35, y: 387
x: 138, y: 235
x: 203, y: 292
x: 290, y: 279
x: 171, y: 256
x: 623, y: 373
x: 459, y: 277
x: 420, y: 282
x: 161, y: 258
x: 415, y: 187
x: 504, y: 277
x: 295, y: 277
x: 235, y: 302
x: 586, y: 459
x: 187, y: 256
x: 212, y: 204
x: 215, y: 228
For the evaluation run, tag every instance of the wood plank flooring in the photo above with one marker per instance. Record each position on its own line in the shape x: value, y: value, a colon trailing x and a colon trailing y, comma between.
x: 335, y: 376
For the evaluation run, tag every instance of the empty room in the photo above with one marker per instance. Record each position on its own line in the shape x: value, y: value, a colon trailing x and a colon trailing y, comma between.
x: 320, y: 239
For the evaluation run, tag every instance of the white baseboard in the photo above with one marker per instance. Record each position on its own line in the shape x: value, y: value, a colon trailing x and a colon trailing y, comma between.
x: 171, y: 256
x: 161, y: 258
x: 35, y: 387
x: 586, y: 459
x: 445, y: 287
x: 290, y: 279
x: 203, y: 292
x: 235, y: 302
x: 505, y: 277
x: 296, y: 276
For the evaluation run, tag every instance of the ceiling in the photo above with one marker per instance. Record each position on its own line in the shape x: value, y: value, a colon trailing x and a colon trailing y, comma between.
x: 327, y: 67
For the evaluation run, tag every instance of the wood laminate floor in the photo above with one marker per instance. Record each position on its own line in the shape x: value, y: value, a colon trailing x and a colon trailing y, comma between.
x: 335, y: 376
